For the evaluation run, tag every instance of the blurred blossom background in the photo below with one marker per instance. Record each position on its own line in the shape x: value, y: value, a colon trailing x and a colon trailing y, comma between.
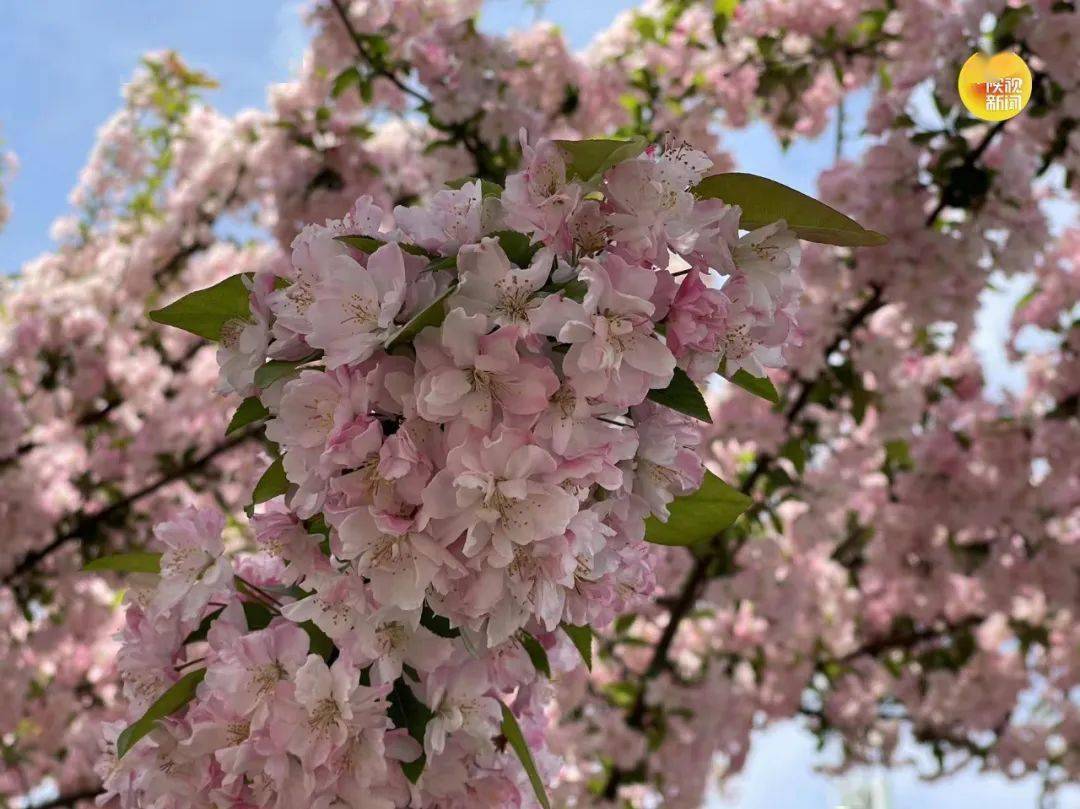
x: 61, y: 64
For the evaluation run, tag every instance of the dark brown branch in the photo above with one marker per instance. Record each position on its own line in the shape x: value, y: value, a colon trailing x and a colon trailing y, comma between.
x: 969, y: 162
x: 908, y: 638
x: 695, y: 581
x: 470, y: 140
x: 83, y: 523
x: 378, y: 69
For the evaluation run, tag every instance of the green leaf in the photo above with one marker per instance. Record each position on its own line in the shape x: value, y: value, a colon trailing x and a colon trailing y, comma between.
x: 589, y: 158
x: 898, y: 454
x: 203, y: 629
x: 133, y: 562
x: 537, y: 653
x: 259, y: 616
x: 406, y: 711
x: 414, y: 769
x: 699, y: 516
x: 272, y: 483
x: 487, y: 187
x: 206, y: 311
x: 347, y: 78
x: 517, y: 247
x: 318, y: 641
x: 437, y: 623
x: 621, y: 694
x: 795, y: 452
x: 582, y: 638
x: 448, y: 263
x: 759, y: 386
x: 249, y: 411
x: 431, y: 316
x: 575, y: 290
x: 365, y: 244
x: 512, y: 731
x: 179, y: 695
x: 275, y: 370
x: 683, y: 395
x: 764, y: 201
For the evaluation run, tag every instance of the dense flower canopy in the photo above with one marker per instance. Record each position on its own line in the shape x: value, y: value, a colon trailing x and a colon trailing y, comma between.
x: 907, y: 566
x: 468, y: 455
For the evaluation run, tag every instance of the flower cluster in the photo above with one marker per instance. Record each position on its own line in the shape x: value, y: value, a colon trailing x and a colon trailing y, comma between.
x: 468, y: 454
x: 849, y: 599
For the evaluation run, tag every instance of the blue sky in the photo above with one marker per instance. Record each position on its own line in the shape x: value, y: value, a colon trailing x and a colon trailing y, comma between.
x: 62, y: 63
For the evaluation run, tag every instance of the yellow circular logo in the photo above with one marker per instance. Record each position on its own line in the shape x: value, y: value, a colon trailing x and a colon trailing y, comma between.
x: 995, y: 88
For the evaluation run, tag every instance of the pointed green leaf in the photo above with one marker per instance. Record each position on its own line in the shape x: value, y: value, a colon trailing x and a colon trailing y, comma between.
x: 364, y: 244
x: 683, y: 395
x: 759, y: 386
x: 414, y: 769
x: 433, y: 622
x: 206, y: 311
x: 203, y: 629
x: 179, y: 695
x: 448, y: 263
x: 582, y: 638
x: 407, y: 711
x: 431, y: 316
x: 699, y: 516
x: 517, y: 247
x: 575, y: 290
x: 512, y: 731
x: 271, y: 484
x: 249, y: 411
x: 257, y: 614
x: 133, y: 562
x: 537, y: 653
x: 764, y: 201
x: 487, y: 187
x: 318, y: 641
x: 588, y: 158
x: 347, y: 78
x: 368, y: 244
x: 277, y: 369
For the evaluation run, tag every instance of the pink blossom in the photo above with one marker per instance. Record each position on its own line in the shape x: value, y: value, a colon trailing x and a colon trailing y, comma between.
x: 496, y: 493
x: 471, y: 373
x: 193, y: 570
x: 614, y: 351
x: 695, y: 324
x: 354, y: 307
x: 491, y: 286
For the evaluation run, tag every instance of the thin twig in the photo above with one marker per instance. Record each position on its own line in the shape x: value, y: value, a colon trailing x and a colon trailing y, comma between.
x: 358, y: 41
x: 969, y: 162
x: 84, y: 523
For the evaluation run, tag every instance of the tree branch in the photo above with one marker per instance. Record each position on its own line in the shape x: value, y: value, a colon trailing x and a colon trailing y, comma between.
x: 84, y: 522
x: 378, y: 69
x: 695, y: 581
x: 969, y: 162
